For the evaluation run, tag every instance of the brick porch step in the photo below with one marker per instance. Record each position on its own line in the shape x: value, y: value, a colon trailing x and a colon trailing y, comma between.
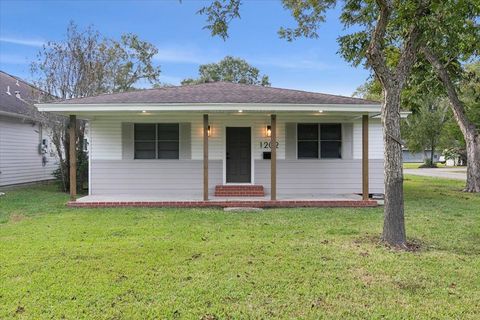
x: 239, y: 191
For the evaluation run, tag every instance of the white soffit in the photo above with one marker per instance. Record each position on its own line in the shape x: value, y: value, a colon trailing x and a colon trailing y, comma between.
x: 223, y: 107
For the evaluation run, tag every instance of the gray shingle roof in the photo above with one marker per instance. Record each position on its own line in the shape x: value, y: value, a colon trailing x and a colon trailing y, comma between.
x: 219, y: 92
x: 21, y: 98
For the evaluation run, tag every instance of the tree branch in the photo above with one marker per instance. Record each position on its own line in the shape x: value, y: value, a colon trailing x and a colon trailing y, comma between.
x: 375, y: 55
x: 410, y: 50
x: 457, y: 105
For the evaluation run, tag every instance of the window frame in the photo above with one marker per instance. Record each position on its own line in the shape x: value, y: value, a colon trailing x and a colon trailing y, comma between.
x: 319, y: 140
x: 330, y: 140
x: 156, y: 141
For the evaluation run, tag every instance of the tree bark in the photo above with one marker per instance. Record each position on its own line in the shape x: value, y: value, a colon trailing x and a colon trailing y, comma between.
x: 469, y: 130
x: 394, y: 221
x: 473, y: 162
x: 393, y: 81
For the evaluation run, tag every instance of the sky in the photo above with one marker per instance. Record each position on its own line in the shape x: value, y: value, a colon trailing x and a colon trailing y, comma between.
x: 177, y: 31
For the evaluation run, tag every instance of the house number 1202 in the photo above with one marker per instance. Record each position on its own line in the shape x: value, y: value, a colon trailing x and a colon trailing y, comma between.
x: 267, y: 144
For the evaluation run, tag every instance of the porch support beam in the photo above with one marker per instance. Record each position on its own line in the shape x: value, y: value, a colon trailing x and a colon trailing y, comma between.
x: 73, y: 156
x: 365, y: 191
x: 273, y: 161
x: 205, y: 157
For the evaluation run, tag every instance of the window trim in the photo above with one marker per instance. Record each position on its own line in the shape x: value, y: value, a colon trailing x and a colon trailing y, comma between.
x: 156, y: 141
x: 329, y: 140
x: 317, y: 140
x: 319, y: 124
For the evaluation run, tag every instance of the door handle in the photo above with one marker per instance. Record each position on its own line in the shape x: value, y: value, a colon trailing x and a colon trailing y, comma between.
x: 228, y: 156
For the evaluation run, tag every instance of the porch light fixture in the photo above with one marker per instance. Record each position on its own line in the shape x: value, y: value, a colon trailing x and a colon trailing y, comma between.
x: 240, y: 111
x: 320, y: 111
x: 209, y: 132
x: 269, y: 131
x: 144, y: 111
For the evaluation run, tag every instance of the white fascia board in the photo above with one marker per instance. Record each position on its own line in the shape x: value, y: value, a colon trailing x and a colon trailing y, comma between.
x: 210, y: 107
x: 16, y: 115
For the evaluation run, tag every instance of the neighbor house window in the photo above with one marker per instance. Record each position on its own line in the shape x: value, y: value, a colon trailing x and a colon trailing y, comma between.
x: 156, y: 141
x: 319, y: 141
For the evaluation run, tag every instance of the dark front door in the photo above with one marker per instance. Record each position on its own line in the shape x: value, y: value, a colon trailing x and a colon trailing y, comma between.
x: 238, y: 154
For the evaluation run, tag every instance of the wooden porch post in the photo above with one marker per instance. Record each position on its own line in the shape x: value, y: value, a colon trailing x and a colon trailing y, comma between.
x: 273, y: 161
x: 365, y: 191
x: 73, y: 157
x: 205, y: 157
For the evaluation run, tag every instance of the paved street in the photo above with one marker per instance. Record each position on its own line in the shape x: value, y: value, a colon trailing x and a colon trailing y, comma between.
x: 448, y: 173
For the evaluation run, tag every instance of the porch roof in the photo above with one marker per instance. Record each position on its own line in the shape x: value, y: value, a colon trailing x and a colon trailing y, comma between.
x: 216, y: 96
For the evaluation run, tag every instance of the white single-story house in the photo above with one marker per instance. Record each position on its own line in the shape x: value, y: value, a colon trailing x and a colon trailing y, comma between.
x: 26, y: 153
x: 210, y: 143
x: 419, y: 157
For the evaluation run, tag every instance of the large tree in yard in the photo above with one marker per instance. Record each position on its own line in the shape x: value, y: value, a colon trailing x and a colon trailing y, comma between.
x: 229, y: 69
x: 86, y: 64
x: 453, y: 39
x: 386, y: 36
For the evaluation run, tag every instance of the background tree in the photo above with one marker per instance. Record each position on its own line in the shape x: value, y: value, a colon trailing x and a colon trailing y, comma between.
x: 386, y: 39
x: 469, y: 90
x: 452, y: 40
x: 465, y: 108
x: 229, y: 69
x: 86, y: 64
x: 424, y: 84
x: 423, y: 130
x: 370, y: 90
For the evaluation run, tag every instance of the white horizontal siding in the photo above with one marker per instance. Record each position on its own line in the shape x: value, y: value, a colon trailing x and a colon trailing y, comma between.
x: 160, y: 177
x: 375, y: 140
x: 106, y: 139
x: 20, y: 161
x: 106, y: 134
x: 184, y: 178
x: 112, y: 175
x: 310, y: 177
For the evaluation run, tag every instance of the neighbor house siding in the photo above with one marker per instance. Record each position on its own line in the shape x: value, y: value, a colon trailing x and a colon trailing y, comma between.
x: 114, y: 171
x: 20, y: 160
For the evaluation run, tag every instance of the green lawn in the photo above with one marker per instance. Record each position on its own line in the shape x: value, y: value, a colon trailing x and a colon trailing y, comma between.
x: 57, y: 262
x: 411, y: 165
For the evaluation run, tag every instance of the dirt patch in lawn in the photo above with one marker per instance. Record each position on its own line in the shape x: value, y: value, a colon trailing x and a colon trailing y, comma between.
x: 16, y: 218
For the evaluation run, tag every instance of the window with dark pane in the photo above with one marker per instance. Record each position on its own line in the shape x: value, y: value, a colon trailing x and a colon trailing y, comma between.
x: 168, y: 140
x: 331, y: 141
x: 144, y: 136
x: 307, y: 135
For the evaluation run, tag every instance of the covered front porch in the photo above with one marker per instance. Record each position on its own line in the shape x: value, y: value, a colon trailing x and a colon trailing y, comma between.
x: 273, y: 173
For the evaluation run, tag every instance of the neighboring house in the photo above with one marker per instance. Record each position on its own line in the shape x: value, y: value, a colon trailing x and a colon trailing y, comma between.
x: 419, y: 157
x: 149, y: 144
x: 25, y: 150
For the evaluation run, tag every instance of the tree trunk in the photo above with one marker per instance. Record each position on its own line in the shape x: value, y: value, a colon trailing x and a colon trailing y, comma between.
x: 468, y: 128
x: 394, y: 221
x: 472, y: 140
